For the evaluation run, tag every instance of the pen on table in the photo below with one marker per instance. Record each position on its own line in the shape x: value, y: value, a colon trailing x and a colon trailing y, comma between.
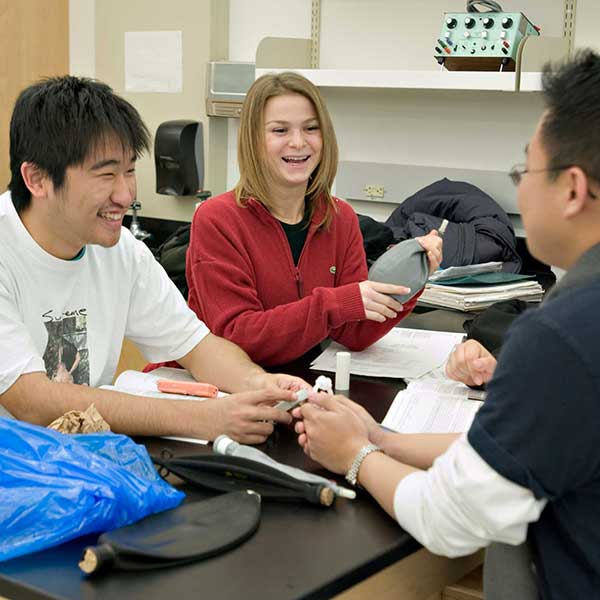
x: 476, y: 395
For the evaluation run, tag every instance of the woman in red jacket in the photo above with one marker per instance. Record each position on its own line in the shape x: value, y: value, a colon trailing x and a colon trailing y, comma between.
x: 278, y: 264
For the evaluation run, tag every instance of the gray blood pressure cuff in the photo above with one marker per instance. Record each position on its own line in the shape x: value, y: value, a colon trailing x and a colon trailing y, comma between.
x: 403, y: 264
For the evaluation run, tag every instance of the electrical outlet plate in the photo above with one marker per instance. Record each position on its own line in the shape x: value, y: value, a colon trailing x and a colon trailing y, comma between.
x: 375, y: 191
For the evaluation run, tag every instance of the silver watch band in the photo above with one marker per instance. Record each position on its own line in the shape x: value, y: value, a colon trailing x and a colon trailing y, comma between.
x: 352, y: 474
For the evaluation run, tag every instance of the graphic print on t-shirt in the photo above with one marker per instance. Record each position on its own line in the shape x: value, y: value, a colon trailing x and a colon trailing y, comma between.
x: 66, y: 355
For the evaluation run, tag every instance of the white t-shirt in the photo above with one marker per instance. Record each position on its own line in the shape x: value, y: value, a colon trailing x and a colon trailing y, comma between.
x: 69, y: 317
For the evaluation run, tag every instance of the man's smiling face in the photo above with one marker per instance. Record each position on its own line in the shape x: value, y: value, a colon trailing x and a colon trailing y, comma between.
x: 89, y: 207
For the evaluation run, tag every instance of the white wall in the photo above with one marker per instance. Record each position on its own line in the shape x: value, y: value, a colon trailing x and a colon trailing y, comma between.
x: 82, y: 40
x: 96, y: 38
x: 388, y: 34
x: 249, y: 23
x: 485, y: 130
x: 462, y: 129
x: 586, y: 24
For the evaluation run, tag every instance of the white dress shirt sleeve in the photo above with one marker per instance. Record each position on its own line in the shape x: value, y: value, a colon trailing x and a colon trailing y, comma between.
x: 461, y: 504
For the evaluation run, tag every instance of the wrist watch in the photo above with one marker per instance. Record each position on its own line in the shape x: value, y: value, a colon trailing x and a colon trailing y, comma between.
x: 352, y: 474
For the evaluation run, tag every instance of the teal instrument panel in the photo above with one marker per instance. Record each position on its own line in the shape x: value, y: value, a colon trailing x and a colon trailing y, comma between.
x: 481, y: 41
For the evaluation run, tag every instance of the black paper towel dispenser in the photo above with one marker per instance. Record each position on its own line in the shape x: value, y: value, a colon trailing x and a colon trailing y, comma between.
x: 179, y: 158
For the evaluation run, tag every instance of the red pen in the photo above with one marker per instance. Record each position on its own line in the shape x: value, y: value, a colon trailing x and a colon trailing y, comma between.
x: 189, y: 388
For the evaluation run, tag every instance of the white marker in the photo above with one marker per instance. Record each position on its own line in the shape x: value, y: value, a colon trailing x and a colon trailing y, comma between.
x: 342, y: 371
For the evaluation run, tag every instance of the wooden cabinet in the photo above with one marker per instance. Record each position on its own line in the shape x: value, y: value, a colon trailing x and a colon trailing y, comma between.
x: 34, y: 44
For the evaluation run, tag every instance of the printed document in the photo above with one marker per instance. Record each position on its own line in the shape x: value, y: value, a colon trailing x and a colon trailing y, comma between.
x: 432, y: 406
x: 401, y: 353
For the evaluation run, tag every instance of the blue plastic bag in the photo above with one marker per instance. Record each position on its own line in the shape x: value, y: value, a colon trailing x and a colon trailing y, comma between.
x: 55, y: 487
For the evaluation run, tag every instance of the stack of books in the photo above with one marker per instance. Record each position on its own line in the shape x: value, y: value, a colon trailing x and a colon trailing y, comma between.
x: 475, y: 287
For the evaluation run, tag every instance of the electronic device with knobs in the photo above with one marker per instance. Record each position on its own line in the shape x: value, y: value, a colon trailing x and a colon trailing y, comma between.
x: 482, y: 41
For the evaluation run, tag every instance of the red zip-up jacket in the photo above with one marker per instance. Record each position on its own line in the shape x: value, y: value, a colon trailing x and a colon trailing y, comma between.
x: 244, y: 285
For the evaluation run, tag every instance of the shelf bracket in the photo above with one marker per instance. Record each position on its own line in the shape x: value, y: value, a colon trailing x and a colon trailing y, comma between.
x: 569, y: 12
x: 315, y: 33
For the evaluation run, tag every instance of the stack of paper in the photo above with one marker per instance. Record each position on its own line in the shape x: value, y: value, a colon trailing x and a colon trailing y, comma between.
x: 471, y: 298
x: 432, y: 406
x: 402, y: 353
x: 475, y: 287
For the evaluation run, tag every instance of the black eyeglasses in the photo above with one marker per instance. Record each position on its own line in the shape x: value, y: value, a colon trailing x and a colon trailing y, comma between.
x: 517, y: 172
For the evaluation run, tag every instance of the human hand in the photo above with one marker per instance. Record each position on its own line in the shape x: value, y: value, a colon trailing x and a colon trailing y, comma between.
x: 279, y: 381
x: 247, y: 417
x: 331, y: 432
x: 374, y: 431
x: 377, y: 301
x: 471, y: 364
x: 432, y: 244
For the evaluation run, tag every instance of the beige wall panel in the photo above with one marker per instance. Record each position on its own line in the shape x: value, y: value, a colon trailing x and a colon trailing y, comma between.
x: 198, y: 20
x: 34, y: 43
x: 586, y: 24
x: 383, y: 34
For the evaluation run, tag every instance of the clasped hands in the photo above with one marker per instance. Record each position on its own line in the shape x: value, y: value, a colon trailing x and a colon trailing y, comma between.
x: 249, y: 417
x: 333, y: 429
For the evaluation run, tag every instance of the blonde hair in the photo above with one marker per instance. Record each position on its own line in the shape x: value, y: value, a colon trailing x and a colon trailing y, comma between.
x: 256, y: 178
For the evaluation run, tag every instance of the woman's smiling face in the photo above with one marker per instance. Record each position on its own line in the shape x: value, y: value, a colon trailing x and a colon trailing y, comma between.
x: 293, y: 140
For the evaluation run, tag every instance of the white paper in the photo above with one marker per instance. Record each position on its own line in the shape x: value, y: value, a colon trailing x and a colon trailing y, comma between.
x: 144, y: 384
x: 439, y: 374
x: 478, y: 290
x: 401, y: 353
x: 467, y: 298
x: 153, y: 61
x: 432, y: 406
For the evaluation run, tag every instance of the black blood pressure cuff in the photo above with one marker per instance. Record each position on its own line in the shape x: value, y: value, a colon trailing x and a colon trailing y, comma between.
x: 191, y: 532
x: 227, y: 473
x: 403, y: 264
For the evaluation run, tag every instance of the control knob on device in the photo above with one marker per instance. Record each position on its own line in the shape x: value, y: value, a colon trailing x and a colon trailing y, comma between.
x: 488, y: 23
x: 469, y: 23
x: 507, y: 22
x: 451, y: 22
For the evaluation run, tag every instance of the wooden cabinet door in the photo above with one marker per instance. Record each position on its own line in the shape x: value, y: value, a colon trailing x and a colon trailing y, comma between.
x: 34, y: 43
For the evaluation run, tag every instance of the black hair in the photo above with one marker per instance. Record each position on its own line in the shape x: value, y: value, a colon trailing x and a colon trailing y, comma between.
x: 57, y: 122
x: 570, y: 128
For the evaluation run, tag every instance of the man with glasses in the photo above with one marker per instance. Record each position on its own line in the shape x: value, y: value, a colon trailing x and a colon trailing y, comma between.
x: 471, y: 363
x: 528, y: 470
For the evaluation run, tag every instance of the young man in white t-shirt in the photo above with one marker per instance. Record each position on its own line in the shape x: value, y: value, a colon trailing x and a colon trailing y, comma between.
x: 74, y: 283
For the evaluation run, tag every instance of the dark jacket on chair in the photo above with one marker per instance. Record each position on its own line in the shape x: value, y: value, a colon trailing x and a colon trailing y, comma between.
x: 478, y: 228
